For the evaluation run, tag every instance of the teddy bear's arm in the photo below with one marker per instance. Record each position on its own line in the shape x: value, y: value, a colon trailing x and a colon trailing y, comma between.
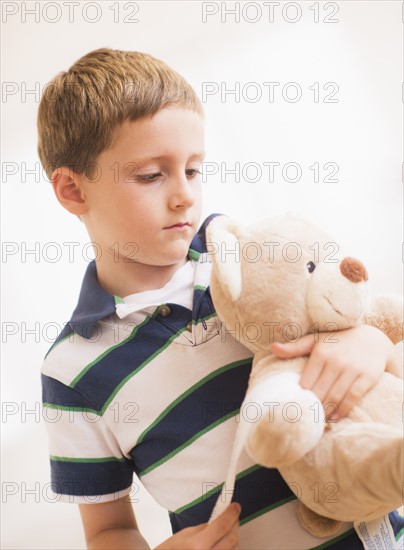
x: 291, y: 422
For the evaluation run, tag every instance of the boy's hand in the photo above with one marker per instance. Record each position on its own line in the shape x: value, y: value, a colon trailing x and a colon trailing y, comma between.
x: 222, y: 533
x: 342, y: 365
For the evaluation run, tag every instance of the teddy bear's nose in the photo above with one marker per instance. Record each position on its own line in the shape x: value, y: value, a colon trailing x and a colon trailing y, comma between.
x: 353, y: 270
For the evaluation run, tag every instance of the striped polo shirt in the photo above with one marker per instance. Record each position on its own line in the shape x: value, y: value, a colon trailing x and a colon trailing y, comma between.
x: 158, y: 392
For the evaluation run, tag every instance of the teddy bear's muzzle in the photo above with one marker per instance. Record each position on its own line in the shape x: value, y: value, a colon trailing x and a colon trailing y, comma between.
x: 353, y: 270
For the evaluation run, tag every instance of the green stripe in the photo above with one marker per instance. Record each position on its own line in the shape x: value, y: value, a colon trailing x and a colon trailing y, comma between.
x: 193, y: 254
x: 267, y: 509
x: 57, y: 343
x: 199, y: 499
x: 188, y: 442
x: 215, y: 490
x: 74, y: 409
x: 248, y: 471
x: 334, y: 540
x: 88, y: 460
x: 106, y: 352
x: 188, y: 392
x: 400, y: 533
x: 118, y: 300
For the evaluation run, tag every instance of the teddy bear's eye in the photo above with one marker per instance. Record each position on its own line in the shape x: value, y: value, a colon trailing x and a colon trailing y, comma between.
x: 311, y: 267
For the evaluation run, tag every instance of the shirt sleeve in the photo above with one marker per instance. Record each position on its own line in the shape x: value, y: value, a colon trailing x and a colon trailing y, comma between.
x: 87, y: 464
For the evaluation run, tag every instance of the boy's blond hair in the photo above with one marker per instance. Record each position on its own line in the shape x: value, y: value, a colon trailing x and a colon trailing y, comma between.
x: 81, y: 108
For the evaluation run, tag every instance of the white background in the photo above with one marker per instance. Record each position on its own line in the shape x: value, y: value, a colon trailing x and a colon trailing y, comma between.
x: 361, y: 53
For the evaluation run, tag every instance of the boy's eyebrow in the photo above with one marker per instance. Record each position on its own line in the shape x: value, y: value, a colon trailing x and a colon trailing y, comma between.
x: 195, y: 156
x: 202, y: 155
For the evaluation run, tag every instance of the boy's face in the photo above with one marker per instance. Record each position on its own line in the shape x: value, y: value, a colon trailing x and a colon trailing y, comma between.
x: 144, y: 204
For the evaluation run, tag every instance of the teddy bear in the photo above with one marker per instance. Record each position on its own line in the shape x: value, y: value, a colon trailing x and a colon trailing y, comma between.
x: 275, y: 281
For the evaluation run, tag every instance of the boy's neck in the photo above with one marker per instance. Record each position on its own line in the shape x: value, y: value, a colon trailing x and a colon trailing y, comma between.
x: 122, y: 279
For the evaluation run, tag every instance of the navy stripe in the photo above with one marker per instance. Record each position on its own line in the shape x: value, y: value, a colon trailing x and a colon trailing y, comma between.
x: 204, y: 406
x: 100, y: 381
x: 259, y: 489
x: 90, y: 479
x: 255, y: 491
x: 56, y: 393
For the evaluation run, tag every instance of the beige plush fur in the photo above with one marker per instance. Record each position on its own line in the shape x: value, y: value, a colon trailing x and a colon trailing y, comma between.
x: 277, y: 280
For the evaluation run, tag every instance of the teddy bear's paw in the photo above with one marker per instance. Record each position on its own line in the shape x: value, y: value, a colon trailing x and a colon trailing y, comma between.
x: 271, y: 448
x: 274, y: 446
x: 318, y: 526
x: 281, y: 439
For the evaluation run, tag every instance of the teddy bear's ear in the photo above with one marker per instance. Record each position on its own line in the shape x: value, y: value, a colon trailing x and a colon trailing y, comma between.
x: 224, y: 250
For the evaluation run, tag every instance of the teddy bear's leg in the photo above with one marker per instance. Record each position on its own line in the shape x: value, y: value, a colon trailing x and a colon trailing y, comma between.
x: 291, y: 421
x: 318, y: 526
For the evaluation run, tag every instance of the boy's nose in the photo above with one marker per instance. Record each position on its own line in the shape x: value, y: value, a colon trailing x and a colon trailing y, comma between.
x: 182, y: 194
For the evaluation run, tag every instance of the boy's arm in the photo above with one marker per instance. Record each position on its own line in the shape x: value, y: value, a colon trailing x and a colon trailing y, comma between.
x: 113, y: 525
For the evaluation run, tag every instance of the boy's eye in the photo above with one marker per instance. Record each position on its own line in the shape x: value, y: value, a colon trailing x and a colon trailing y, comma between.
x: 150, y: 178
x: 192, y: 172
x: 147, y: 178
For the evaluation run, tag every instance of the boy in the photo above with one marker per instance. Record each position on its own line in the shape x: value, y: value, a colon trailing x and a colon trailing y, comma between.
x: 145, y: 377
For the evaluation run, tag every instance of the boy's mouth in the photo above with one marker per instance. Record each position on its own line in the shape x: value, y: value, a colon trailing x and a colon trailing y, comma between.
x: 179, y: 226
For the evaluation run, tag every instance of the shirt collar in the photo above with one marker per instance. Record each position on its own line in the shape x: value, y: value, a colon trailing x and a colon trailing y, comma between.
x: 95, y: 303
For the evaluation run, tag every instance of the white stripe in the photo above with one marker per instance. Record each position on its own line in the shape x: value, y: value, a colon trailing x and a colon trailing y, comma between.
x: 174, y: 484
x: 78, y: 434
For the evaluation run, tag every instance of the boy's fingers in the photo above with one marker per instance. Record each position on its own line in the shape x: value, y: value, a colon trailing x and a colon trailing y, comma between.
x: 355, y: 393
x: 312, y: 373
x: 230, y: 540
x: 336, y: 395
x: 221, y: 526
x: 325, y: 380
x: 294, y: 349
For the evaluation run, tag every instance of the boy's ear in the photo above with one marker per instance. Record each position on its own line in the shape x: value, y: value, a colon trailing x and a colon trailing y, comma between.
x: 67, y: 186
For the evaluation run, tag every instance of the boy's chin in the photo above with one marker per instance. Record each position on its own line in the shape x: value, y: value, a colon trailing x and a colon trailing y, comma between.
x: 177, y: 254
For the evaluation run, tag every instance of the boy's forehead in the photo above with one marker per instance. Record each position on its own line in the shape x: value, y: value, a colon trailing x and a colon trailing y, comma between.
x: 170, y: 128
